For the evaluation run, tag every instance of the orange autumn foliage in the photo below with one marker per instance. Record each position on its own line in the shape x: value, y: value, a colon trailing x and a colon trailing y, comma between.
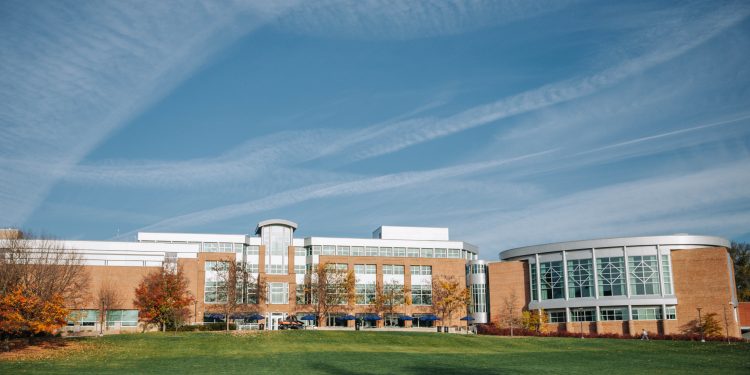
x: 24, y: 313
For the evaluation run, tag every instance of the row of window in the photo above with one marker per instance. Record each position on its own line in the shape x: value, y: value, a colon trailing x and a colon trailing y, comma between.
x: 615, y: 313
x: 609, y: 274
x: 476, y: 268
x: 374, y: 251
x: 124, y: 318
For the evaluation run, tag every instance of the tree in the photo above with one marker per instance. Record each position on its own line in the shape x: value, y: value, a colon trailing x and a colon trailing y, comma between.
x: 163, y: 297
x: 449, y: 296
x: 388, y: 297
x: 43, y: 268
x: 329, y: 289
x: 533, y: 320
x: 23, y: 313
x: 237, y: 288
x: 709, y: 326
x: 740, y: 253
x: 509, y: 314
x: 106, y: 299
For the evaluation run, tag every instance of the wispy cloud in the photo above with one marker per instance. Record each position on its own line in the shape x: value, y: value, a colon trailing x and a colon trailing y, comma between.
x: 353, y: 187
x: 389, y: 19
x: 73, y: 72
x: 666, y: 42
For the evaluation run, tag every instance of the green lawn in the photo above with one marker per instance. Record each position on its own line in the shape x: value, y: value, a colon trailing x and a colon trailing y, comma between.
x: 347, y: 352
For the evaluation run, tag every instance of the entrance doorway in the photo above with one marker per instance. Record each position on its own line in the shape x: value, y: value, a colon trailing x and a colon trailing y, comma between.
x: 274, y: 319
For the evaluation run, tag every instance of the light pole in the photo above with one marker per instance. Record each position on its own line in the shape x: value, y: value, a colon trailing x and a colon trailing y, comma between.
x: 700, y: 323
x: 195, y: 311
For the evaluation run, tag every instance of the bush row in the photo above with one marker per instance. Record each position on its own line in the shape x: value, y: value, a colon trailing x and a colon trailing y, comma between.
x: 492, y: 329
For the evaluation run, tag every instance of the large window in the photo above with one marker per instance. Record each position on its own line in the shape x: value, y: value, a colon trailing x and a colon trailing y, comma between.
x: 580, y: 278
x: 276, y: 269
x: 552, y: 280
x: 124, y: 318
x: 399, y: 251
x: 670, y: 313
x: 386, y: 251
x: 342, y: 251
x: 358, y: 251
x: 441, y: 253
x: 613, y: 313
x: 421, y: 294
x: 647, y: 313
x: 532, y: 268
x: 479, y: 298
x: 328, y: 250
x: 412, y: 252
x: 211, y: 287
x: 644, y: 275
x: 300, y: 297
x: 426, y: 253
x: 666, y: 274
x: 611, y: 276
x: 365, y: 293
x: 454, y: 253
x: 421, y: 270
x: 556, y: 316
x: 278, y: 293
x: 582, y: 315
x: 253, y: 250
x: 371, y: 251
x: 300, y: 251
x: 299, y: 269
x: 365, y: 269
x: 393, y: 269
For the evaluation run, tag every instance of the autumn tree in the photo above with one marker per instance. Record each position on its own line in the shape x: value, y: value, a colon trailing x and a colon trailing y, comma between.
x: 39, y: 280
x: 163, y: 297
x: 330, y: 289
x: 509, y: 311
x: 388, y: 296
x: 708, y: 325
x: 449, y: 296
x: 107, y: 298
x: 534, y: 320
x: 237, y: 288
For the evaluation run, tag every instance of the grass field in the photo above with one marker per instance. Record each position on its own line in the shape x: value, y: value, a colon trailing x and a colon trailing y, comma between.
x: 347, y: 352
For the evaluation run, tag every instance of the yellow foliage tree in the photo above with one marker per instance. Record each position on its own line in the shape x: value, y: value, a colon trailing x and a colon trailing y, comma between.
x: 533, y: 320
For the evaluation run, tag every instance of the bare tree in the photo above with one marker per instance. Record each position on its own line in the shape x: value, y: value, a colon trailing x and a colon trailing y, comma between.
x: 509, y: 315
x: 388, y: 297
x: 329, y: 290
x: 107, y: 298
x: 237, y: 288
x: 42, y: 267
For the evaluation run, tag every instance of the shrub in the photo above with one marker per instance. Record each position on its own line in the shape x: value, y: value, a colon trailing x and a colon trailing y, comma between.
x: 218, y: 326
x: 494, y: 330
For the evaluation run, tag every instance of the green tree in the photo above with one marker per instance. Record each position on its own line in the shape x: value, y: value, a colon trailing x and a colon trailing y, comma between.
x: 740, y: 253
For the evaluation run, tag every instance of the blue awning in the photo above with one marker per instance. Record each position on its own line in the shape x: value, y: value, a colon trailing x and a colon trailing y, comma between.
x: 309, y: 317
x: 213, y: 316
x: 371, y: 317
x: 467, y: 318
x: 405, y: 317
x: 428, y: 318
x: 346, y: 317
x: 247, y: 316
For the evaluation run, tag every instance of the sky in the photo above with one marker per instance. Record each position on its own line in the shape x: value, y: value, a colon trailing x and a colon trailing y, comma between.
x: 512, y: 123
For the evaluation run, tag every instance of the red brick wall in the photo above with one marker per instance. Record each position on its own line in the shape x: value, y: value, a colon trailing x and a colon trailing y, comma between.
x: 505, y: 279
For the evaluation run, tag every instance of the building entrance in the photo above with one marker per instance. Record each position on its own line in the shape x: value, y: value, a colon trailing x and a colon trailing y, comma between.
x: 274, y: 319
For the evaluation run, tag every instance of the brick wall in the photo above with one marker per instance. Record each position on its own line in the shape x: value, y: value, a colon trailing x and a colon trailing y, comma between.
x: 505, y: 280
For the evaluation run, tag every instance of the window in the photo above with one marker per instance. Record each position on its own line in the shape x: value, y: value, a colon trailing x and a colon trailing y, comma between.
x: 358, y: 251
x: 365, y: 293
x: 421, y: 270
x: 211, y: 287
x: 666, y: 274
x: 478, y: 298
x: 252, y: 267
x: 300, y: 298
x: 477, y: 269
x: 225, y: 247
x: 276, y: 269
x: 124, y: 318
x: 371, y: 251
x: 396, y: 290
x: 412, y: 252
x: 238, y: 247
x: 647, y: 313
x: 364, y: 269
x: 644, y: 275
x: 338, y: 266
x: 278, y: 293
x: 441, y: 253
x: 556, y: 316
x: 253, y: 250
x: 316, y: 250
x: 611, y: 272
x: 300, y: 251
x: 454, y: 253
x: 580, y: 278
x: 210, y: 247
x: 421, y: 294
x: 532, y: 269
x: 613, y: 313
x: 582, y: 315
x: 386, y: 251
x: 671, y: 313
x: 328, y: 250
x: 86, y: 318
x: 552, y: 280
x: 399, y: 251
x: 393, y: 269
x: 299, y: 269
x: 427, y: 253
x: 342, y: 251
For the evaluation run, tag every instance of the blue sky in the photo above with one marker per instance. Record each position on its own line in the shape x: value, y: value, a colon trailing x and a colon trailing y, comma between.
x: 510, y: 122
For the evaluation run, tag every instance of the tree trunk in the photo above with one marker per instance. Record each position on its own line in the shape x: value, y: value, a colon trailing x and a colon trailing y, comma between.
x: 164, y: 327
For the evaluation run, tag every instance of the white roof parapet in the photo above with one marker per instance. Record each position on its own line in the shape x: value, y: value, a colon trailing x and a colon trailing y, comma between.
x: 675, y: 239
x: 191, y: 237
x: 387, y: 232
x: 268, y: 222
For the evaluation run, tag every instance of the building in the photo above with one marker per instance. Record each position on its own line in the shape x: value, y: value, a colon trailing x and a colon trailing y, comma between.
x: 621, y: 285
x: 408, y: 256
x: 616, y: 285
